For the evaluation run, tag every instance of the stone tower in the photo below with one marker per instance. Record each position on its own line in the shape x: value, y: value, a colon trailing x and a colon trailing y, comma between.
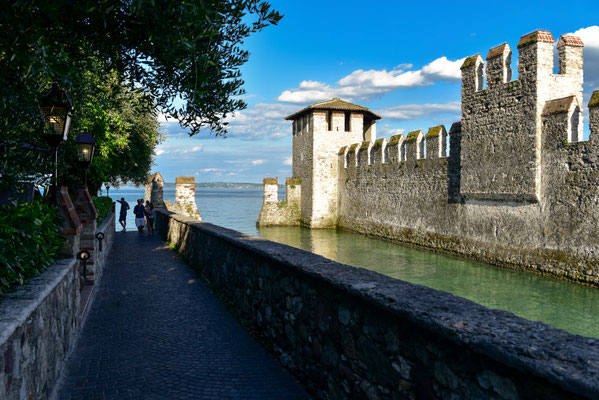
x: 319, y: 130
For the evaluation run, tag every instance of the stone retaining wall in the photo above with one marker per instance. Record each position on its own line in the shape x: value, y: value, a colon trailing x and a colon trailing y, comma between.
x: 39, y: 324
x: 350, y: 332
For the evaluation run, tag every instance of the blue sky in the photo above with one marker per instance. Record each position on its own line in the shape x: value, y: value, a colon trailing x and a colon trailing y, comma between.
x: 400, y: 59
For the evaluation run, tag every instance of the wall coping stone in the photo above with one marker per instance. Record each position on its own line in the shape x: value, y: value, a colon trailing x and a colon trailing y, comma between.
x: 108, y: 219
x: 16, y: 307
x: 570, y: 361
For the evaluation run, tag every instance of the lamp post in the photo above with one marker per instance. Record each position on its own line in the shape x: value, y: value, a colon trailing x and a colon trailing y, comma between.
x: 85, y: 152
x: 55, y: 108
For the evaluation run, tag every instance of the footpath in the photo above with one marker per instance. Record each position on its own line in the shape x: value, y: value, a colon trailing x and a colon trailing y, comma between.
x: 155, y: 332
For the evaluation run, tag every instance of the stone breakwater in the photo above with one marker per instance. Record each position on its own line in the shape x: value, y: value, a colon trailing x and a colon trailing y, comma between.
x: 346, y: 331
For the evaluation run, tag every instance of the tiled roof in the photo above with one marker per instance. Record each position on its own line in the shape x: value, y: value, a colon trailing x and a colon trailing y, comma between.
x: 534, y: 37
x: 568, y: 40
x: 498, y: 50
x: 333, y: 104
x: 559, y: 106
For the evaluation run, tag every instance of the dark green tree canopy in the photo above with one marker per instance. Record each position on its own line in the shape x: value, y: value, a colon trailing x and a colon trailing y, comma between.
x: 178, y: 57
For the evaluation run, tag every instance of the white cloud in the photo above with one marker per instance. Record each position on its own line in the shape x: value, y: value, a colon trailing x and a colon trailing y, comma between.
x: 590, y: 38
x: 413, y: 111
x: 207, y: 170
x: 262, y: 121
x: 177, y: 149
x: 288, y: 161
x: 258, y: 162
x: 392, y: 132
x: 443, y: 69
x: 367, y: 84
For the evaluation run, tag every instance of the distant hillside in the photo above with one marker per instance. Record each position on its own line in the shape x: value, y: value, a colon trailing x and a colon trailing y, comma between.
x: 220, y: 185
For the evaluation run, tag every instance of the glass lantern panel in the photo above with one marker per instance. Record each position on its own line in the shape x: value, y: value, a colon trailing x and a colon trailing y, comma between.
x: 55, y: 121
x: 85, y: 152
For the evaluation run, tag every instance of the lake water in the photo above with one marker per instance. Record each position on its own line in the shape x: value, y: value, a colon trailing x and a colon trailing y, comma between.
x: 565, y: 305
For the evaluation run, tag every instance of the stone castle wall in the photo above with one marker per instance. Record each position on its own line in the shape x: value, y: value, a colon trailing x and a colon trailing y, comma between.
x: 517, y: 188
x: 418, y: 201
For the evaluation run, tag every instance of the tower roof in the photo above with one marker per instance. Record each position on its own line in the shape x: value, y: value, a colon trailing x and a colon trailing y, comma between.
x: 333, y: 104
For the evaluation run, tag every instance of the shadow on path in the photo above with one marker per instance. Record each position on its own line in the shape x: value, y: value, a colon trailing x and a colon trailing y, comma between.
x: 155, y: 332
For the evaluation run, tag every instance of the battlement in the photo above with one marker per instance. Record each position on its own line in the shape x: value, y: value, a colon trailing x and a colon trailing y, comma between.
x: 502, y: 124
x: 397, y: 150
x: 535, y: 62
x: 436, y: 142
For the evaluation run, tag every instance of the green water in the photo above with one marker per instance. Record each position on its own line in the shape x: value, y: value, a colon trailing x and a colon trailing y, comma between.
x: 564, y: 305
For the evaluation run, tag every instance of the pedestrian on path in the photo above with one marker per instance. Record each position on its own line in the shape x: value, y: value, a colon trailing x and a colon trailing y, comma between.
x: 150, y: 217
x: 140, y: 215
x: 123, y: 213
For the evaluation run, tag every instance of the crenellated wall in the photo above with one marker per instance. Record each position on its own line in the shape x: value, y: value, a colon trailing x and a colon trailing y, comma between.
x: 519, y: 187
x: 418, y: 201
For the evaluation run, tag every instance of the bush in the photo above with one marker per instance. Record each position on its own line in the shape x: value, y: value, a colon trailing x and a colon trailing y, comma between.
x: 103, y: 206
x: 29, y: 242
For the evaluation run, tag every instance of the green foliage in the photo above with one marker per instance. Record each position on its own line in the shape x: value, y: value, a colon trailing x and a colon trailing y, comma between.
x: 103, y: 206
x: 121, y: 62
x: 125, y: 129
x: 29, y: 241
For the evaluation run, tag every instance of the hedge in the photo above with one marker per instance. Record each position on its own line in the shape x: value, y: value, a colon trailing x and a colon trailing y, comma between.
x: 103, y: 206
x: 29, y: 242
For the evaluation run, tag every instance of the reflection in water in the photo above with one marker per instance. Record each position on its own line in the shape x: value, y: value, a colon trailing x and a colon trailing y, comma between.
x: 564, y: 305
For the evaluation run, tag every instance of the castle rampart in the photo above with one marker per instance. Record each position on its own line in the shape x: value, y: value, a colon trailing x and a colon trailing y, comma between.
x: 518, y: 187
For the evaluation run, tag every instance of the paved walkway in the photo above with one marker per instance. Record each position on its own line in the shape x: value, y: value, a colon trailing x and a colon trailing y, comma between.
x: 155, y: 332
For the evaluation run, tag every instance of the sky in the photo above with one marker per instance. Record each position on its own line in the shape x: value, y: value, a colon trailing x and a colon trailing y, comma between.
x: 400, y: 59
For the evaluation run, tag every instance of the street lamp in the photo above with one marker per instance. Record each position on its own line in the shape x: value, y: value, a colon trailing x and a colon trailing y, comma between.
x: 56, y: 107
x: 85, y: 152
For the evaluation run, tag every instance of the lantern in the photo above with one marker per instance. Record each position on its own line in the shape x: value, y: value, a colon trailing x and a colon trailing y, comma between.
x: 85, y: 148
x: 56, y: 112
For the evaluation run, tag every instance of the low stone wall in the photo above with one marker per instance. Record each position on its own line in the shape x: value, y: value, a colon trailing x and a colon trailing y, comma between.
x: 349, y: 332
x: 39, y: 323
x: 107, y: 228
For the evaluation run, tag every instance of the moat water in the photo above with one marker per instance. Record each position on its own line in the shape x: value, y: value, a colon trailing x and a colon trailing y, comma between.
x: 564, y: 305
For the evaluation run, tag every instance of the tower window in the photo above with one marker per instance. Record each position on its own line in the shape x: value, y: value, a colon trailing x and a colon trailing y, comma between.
x: 347, y: 121
x: 329, y: 120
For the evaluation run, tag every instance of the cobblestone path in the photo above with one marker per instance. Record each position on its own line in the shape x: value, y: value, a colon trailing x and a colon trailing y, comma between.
x: 155, y: 332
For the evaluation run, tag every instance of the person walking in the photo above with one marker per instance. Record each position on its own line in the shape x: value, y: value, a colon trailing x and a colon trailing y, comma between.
x: 150, y: 217
x: 123, y: 213
x: 140, y: 219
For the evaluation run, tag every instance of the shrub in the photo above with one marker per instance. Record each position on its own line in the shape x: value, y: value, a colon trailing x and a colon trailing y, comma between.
x: 29, y: 242
x: 103, y: 206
